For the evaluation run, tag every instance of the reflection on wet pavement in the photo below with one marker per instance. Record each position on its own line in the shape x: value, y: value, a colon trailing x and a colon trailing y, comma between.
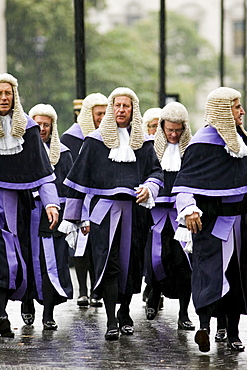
x: 79, y: 341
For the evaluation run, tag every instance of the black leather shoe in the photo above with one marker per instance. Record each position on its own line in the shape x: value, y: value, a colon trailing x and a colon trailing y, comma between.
x: 127, y: 330
x: 185, y: 325
x: 5, y: 330
x: 50, y: 325
x: 28, y: 318
x: 28, y: 312
x: 95, y: 302
x: 202, y: 339
x: 112, y: 334
x: 83, y: 301
x: 150, y: 312
x: 235, y: 346
x: 221, y: 335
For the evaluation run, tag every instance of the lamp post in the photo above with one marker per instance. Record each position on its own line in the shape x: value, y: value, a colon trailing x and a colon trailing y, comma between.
x: 80, y: 49
x: 222, y: 43
x: 162, y: 92
x: 244, y: 57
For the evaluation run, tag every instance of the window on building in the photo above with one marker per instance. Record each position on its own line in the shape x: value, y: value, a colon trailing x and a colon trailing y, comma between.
x: 238, y: 37
x: 133, y: 12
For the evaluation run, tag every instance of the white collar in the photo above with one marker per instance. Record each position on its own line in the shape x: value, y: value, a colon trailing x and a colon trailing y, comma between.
x: 171, y: 160
x: 123, y: 153
x: 242, y: 151
x: 8, y: 144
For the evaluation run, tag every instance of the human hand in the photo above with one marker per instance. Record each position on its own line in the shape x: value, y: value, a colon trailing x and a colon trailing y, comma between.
x: 142, y: 194
x: 52, y: 214
x: 193, y: 222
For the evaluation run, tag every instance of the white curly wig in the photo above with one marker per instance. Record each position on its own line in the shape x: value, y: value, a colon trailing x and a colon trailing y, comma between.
x: 177, y: 113
x: 85, y: 118
x: 49, y: 111
x: 218, y: 114
x: 19, y: 120
x: 108, y: 126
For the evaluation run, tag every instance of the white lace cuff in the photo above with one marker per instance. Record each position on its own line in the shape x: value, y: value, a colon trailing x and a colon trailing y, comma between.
x: 182, y: 234
x: 71, y: 239
x: 83, y: 224
x: 187, y: 211
x: 67, y: 227
x: 150, y: 201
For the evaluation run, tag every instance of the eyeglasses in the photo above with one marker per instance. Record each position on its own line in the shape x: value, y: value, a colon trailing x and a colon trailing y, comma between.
x: 152, y: 126
x: 176, y: 131
x: 6, y: 93
x: 45, y: 125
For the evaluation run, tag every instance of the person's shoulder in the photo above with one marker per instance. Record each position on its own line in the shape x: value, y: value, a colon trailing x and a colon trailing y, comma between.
x: 75, y: 131
x: 30, y: 122
x: 63, y: 148
x: 207, y: 135
x: 94, y: 135
x: 148, y: 137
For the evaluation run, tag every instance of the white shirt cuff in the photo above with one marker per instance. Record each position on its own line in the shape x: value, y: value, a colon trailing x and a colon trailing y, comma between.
x: 187, y: 211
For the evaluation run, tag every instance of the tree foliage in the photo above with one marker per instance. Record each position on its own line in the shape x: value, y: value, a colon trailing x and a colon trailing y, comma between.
x: 129, y: 56
x: 40, y: 45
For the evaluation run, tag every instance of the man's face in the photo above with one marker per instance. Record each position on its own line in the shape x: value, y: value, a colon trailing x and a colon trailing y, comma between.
x: 238, y: 112
x: 173, y: 131
x: 98, y: 113
x: 45, y: 127
x: 122, y: 108
x: 6, y: 98
x: 152, y: 126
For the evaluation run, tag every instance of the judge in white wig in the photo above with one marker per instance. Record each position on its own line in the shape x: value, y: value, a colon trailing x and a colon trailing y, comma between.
x: 118, y: 166
x: 150, y: 120
x: 54, y: 146
x: 49, y: 248
x: 91, y: 113
x: 172, y: 137
x: 23, y: 166
x: 211, y: 192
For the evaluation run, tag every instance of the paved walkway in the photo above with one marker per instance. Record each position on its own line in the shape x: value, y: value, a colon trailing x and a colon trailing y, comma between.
x: 79, y: 341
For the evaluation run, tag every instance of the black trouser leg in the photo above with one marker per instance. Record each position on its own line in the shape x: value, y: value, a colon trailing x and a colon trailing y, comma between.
x: 3, y: 302
x: 110, y: 295
x: 81, y: 268
x: 123, y: 312
x: 221, y: 321
x: 184, y: 293
x: 232, y: 329
x: 205, y: 314
x: 48, y: 298
x: 154, y: 296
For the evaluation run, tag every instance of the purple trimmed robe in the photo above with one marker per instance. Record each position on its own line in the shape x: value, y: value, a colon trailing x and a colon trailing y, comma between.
x: 217, y: 183
x: 113, y: 209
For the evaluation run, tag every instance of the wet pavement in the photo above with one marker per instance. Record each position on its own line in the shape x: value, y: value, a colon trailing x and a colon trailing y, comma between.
x: 79, y: 341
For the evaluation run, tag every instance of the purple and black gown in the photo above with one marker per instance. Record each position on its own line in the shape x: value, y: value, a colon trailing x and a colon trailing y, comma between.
x: 19, y: 173
x: 217, y: 183
x: 115, y: 218
x: 166, y: 262
x: 73, y: 139
x: 50, y: 254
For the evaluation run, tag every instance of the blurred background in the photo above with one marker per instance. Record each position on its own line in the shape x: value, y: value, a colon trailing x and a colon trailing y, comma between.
x: 161, y: 48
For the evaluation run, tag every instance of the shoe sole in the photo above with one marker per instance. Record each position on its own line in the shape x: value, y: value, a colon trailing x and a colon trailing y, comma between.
x: 202, y: 339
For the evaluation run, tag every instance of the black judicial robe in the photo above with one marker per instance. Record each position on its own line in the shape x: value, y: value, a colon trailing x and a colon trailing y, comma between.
x: 218, y: 183
x: 112, y: 186
x: 19, y: 173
